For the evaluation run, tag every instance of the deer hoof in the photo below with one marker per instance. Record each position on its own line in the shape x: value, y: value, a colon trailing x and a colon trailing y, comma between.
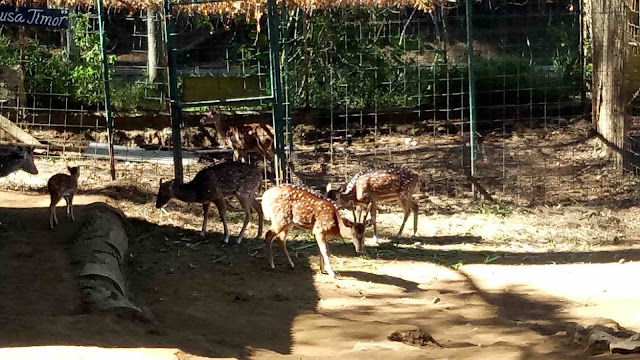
x: 202, y: 233
x: 239, y: 241
x: 375, y: 239
x: 226, y: 239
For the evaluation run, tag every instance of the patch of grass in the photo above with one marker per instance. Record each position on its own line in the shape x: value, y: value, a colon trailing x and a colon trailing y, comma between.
x: 499, y: 210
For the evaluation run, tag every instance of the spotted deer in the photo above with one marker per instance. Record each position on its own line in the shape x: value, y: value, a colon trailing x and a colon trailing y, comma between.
x: 289, y: 206
x: 62, y: 186
x: 214, y: 184
x: 243, y: 138
x: 17, y: 158
x: 369, y: 187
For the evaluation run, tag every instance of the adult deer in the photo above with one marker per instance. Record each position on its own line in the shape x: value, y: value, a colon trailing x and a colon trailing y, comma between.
x: 17, y: 158
x: 214, y: 184
x: 369, y: 187
x: 288, y: 206
x: 243, y: 138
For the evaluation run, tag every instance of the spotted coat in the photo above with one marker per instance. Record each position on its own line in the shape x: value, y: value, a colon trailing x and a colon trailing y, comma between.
x: 309, y: 210
x: 380, y: 183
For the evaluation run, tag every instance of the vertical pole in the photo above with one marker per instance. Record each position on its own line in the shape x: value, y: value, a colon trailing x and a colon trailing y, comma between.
x: 152, y: 54
x: 472, y: 93
x: 107, y: 91
x: 287, y: 99
x: 175, y: 109
x: 583, y: 95
x: 273, y: 25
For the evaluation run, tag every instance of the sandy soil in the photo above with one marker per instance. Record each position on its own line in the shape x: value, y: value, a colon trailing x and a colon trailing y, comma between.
x: 479, y: 300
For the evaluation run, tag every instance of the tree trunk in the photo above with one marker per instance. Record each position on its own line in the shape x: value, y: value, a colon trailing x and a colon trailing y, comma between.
x: 609, y: 24
x: 152, y: 54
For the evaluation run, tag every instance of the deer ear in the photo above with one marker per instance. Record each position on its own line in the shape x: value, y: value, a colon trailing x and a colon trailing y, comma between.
x: 161, y: 181
x: 21, y: 150
x: 368, y: 222
x: 347, y: 222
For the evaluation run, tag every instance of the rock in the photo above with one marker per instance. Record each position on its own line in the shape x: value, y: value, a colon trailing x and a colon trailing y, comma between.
x: 599, y: 341
x: 414, y: 337
x: 627, y: 346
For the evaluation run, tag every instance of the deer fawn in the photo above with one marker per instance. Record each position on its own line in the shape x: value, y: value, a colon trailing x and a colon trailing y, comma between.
x: 244, y: 138
x: 214, y: 184
x: 17, y: 158
x: 369, y: 187
x: 63, y: 186
x: 288, y: 206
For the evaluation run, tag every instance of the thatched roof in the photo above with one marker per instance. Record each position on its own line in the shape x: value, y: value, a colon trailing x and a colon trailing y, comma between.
x: 249, y: 8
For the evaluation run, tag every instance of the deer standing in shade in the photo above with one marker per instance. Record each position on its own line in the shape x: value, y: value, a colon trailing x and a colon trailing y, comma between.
x: 17, y: 158
x: 62, y: 186
x: 214, y: 184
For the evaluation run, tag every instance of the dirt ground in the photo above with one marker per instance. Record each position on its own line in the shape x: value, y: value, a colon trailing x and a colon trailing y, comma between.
x: 486, y: 281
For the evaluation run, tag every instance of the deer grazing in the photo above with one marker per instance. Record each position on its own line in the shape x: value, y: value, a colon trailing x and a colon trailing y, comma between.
x: 288, y: 206
x: 62, y: 186
x: 244, y: 138
x: 214, y: 184
x: 369, y: 187
x: 17, y: 158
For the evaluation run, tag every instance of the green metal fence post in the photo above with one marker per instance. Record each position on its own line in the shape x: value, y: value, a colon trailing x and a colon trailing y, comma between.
x: 472, y: 92
x: 176, y: 110
x: 273, y: 24
x: 287, y: 99
x: 107, y: 91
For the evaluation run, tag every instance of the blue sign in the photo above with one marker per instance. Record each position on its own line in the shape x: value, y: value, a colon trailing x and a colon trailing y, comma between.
x: 30, y: 16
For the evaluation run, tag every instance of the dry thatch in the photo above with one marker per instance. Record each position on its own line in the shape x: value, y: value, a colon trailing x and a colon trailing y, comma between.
x: 253, y: 8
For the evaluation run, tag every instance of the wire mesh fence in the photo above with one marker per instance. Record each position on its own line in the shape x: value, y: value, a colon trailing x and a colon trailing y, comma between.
x: 364, y: 86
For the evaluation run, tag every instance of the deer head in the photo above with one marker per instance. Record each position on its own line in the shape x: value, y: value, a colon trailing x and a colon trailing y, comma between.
x: 165, y: 193
x: 26, y: 153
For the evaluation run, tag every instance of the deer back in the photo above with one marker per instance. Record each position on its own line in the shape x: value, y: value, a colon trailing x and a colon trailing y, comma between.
x: 228, y: 178
x: 290, y: 204
x: 382, y: 183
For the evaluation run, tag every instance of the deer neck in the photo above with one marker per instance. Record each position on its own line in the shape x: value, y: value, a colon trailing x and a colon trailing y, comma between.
x: 344, y: 230
x: 185, y: 192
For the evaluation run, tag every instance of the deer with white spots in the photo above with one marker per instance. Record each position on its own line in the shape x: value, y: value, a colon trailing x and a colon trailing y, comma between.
x: 214, y: 184
x: 372, y: 186
x: 289, y: 206
x: 243, y: 138
x: 17, y: 158
x: 62, y: 186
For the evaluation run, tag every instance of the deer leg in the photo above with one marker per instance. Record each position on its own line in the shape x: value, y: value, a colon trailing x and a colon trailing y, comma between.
x: 66, y: 200
x: 222, y: 211
x: 374, y: 214
x: 414, y: 207
x: 324, y: 255
x: 52, y: 214
x: 258, y: 208
x: 282, y: 240
x: 268, y: 239
x: 205, y: 215
x: 407, y: 210
x: 73, y: 218
x: 247, y: 214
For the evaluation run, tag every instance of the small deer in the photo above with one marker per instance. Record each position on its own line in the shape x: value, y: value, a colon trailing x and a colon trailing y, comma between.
x: 288, y: 206
x: 369, y: 187
x: 17, y: 158
x: 244, y: 138
x: 214, y: 184
x: 62, y: 186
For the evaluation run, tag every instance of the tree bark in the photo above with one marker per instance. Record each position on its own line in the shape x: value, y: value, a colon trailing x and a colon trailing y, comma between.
x: 609, y: 25
x: 152, y: 54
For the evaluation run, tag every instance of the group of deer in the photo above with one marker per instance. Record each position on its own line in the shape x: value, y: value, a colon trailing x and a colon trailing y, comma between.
x: 15, y: 158
x: 290, y: 206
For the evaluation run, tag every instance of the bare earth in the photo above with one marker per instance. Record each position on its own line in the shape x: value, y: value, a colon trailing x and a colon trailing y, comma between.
x: 485, y: 281
x: 217, y: 302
